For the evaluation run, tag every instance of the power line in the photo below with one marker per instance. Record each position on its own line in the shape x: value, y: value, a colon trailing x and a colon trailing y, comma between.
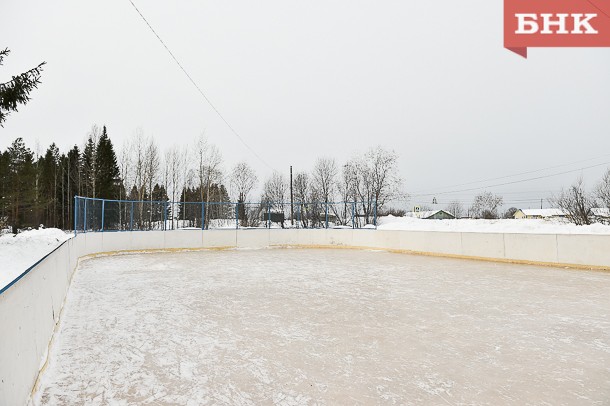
x: 517, y: 174
x: 199, y: 89
x: 513, y: 182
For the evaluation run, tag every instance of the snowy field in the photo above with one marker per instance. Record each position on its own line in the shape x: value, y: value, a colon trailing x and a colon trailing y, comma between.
x: 291, y: 327
x: 536, y: 226
x: 19, y: 252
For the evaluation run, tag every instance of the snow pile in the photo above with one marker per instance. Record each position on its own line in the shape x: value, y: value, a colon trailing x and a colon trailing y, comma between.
x: 534, y: 226
x: 19, y: 252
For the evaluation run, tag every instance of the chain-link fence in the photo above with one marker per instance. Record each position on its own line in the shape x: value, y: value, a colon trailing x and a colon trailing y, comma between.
x: 93, y: 215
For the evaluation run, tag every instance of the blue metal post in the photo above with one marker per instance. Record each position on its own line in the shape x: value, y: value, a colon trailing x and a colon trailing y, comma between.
x: 202, y: 215
x: 131, y: 218
x: 236, y: 216
x: 353, y: 214
x: 85, y: 218
x: 326, y: 214
x: 103, y: 206
x: 164, y: 216
x: 75, y: 213
x: 299, y: 217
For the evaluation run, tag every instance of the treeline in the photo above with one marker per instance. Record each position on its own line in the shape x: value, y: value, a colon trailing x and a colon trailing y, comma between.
x: 40, y: 188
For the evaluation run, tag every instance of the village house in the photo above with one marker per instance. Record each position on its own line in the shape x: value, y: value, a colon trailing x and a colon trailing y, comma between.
x: 539, y: 213
x: 431, y: 215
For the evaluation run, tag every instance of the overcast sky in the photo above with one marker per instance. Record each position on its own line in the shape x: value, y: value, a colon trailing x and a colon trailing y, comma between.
x: 299, y: 80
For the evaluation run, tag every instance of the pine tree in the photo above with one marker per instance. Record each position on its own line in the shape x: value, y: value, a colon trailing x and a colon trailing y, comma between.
x: 17, y: 90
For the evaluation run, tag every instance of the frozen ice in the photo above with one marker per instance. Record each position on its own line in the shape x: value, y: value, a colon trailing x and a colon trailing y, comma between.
x: 300, y: 326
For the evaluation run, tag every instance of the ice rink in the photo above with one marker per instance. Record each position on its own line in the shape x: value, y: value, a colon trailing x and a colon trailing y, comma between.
x: 296, y: 326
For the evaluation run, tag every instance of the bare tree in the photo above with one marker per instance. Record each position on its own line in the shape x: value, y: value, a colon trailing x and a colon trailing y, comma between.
x: 374, y: 179
x: 125, y: 170
x: 188, y: 176
x: 603, y: 190
x: 243, y: 180
x: 302, y: 192
x: 173, y: 176
x: 510, y: 213
x: 456, y: 208
x: 152, y: 163
x: 209, y: 160
x: 486, y: 205
x: 346, y: 195
x: 138, y: 152
x: 576, y: 203
x: 274, y: 190
x: 323, y: 178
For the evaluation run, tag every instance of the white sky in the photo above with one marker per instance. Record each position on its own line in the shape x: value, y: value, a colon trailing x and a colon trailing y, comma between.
x: 299, y: 80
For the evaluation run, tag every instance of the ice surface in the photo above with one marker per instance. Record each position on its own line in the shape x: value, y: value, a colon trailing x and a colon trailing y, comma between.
x: 291, y: 327
x: 537, y: 226
x: 19, y: 252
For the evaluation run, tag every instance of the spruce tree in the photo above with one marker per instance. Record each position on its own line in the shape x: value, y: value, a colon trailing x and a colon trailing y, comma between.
x: 88, y: 169
x: 48, y: 191
x: 17, y: 90
x: 21, y: 183
x: 4, y: 188
x: 107, y: 170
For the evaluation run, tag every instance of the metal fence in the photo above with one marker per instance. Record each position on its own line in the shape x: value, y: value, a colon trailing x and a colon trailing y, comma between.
x: 99, y: 215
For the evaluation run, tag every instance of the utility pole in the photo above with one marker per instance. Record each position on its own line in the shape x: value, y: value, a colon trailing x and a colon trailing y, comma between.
x: 291, y: 200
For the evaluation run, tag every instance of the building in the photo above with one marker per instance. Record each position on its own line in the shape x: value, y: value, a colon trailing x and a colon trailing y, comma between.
x: 601, y: 214
x: 432, y: 215
x: 539, y: 213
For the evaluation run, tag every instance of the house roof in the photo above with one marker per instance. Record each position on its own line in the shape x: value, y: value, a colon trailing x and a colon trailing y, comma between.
x: 596, y: 211
x: 543, y: 212
x: 426, y: 214
x: 601, y: 211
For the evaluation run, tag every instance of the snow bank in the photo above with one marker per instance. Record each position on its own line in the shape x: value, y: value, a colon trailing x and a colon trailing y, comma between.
x: 19, y: 252
x: 533, y: 226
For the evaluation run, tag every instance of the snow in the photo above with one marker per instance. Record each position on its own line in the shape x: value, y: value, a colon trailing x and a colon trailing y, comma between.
x: 20, y: 251
x: 291, y: 327
x: 537, y: 226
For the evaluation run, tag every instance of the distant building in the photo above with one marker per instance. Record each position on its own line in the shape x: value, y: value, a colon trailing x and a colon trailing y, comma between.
x: 431, y: 215
x: 539, y: 213
x: 601, y: 214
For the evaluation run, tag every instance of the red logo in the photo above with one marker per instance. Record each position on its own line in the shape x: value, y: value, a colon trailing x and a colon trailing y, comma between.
x: 556, y: 23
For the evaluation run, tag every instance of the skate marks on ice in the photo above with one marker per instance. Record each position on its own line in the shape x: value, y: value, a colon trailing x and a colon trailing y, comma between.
x: 292, y: 327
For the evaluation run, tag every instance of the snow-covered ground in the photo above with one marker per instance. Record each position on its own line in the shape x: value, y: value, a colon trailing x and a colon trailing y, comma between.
x: 291, y: 327
x: 490, y: 226
x: 19, y: 252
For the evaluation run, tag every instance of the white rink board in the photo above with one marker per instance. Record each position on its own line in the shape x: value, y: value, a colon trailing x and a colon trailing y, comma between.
x: 29, y: 308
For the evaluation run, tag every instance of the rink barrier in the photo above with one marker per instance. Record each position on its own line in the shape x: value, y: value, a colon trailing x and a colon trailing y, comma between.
x: 31, y: 305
